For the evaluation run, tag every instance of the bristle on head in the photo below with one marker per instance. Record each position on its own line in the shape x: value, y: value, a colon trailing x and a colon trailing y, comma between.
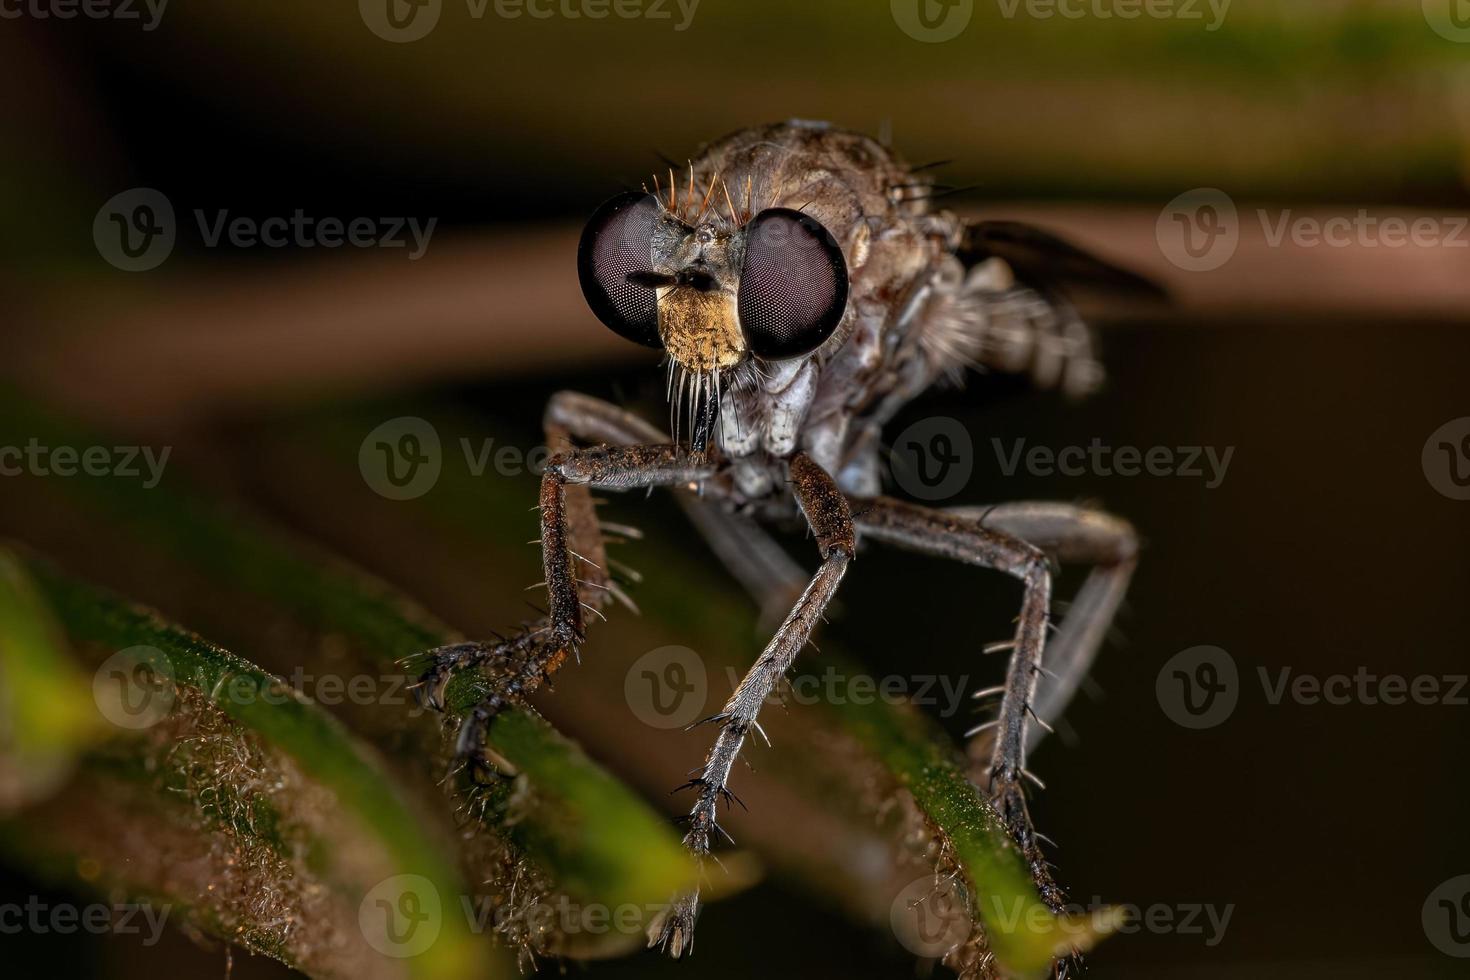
x: 692, y: 206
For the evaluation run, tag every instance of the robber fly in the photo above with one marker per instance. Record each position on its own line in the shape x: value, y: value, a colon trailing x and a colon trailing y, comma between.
x: 803, y: 290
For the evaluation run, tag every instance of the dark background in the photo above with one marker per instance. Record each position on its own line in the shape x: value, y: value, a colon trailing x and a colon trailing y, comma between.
x: 1325, y: 549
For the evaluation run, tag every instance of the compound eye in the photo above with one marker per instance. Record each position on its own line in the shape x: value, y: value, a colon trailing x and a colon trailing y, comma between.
x: 793, y: 287
x: 614, y: 253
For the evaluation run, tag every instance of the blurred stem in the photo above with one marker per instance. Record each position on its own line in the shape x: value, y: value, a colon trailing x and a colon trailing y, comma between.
x: 220, y: 746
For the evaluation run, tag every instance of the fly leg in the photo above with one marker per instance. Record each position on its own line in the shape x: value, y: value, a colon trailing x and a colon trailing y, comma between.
x: 572, y: 418
x: 517, y: 667
x: 937, y: 533
x: 826, y: 512
x: 756, y: 561
x: 1070, y: 534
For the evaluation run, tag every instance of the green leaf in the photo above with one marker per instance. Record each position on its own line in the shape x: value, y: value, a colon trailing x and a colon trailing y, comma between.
x: 46, y: 715
x: 224, y: 759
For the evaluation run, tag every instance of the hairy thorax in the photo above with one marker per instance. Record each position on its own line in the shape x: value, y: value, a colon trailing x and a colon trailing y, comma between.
x: 832, y: 402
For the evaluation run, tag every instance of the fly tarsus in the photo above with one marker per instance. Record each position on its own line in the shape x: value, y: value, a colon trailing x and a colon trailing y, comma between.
x: 510, y: 671
x: 672, y: 930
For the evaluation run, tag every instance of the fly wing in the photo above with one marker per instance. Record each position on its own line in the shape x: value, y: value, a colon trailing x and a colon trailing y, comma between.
x: 1045, y: 262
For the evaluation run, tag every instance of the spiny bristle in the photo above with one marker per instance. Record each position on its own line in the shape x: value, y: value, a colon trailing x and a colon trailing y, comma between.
x: 728, y: 202
x: 687, y: 210
x: 703, y: 205
x: 687, y: 391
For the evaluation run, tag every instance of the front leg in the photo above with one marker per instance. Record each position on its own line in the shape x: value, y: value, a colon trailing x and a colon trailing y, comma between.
x: 518, y: 666
x: 827, y: 514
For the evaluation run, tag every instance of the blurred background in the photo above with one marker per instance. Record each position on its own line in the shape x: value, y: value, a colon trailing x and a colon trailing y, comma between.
x: 1254, y: 157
